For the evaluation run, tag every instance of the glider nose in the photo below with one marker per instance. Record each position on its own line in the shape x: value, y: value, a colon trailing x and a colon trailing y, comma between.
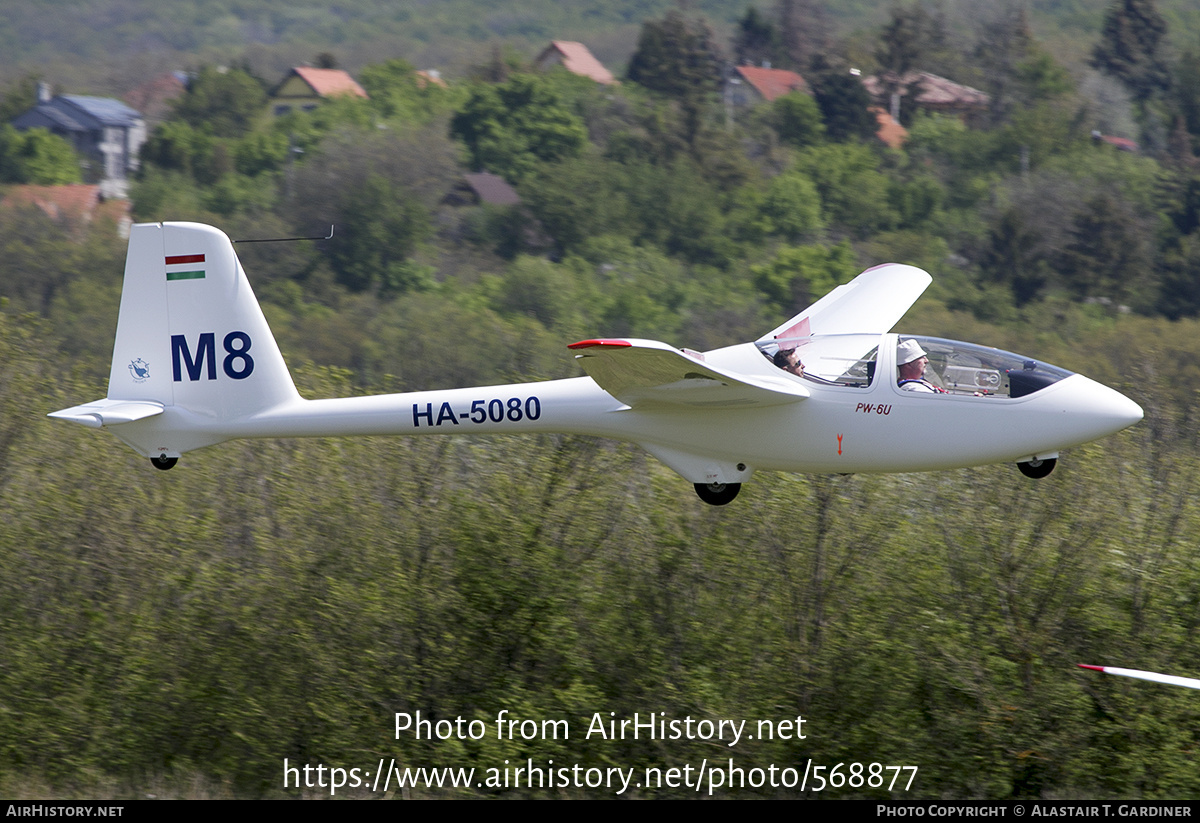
x: 1108, y: 410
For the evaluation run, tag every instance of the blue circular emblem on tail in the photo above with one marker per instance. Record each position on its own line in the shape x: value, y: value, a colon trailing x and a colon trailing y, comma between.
x: 139, y: 369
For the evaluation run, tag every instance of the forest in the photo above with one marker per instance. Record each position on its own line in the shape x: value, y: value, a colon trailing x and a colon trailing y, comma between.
x: 268, y: 604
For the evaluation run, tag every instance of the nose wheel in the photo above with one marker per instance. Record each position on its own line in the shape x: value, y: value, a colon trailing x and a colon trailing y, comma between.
x: 718, y: 494
x: 1037, y: 469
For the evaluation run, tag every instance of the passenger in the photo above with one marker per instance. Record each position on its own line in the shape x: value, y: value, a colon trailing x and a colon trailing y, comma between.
x: 912, y: 361
x: 789, y: 361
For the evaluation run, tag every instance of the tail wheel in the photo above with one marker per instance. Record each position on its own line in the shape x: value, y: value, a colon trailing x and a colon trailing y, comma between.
x: 718, y: 494
x: 1037, y: 469
x: 163, y: 463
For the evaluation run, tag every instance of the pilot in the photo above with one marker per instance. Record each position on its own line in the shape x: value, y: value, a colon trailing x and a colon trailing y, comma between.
x: 789, y: 361
x: 912, y: 360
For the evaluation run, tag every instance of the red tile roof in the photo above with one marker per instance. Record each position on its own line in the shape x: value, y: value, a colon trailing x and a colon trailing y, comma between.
x: 153, y: 98
x: 928, y: 90
x: 772, y: 84
x: 329, y: 82
x: 427, y: 76
x: 77, y: 201
x: 577, y: 59
x: 1121, y: 143
x: 890, y: 132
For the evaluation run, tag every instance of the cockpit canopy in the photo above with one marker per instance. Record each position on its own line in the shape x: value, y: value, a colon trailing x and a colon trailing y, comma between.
x: 850, y: 360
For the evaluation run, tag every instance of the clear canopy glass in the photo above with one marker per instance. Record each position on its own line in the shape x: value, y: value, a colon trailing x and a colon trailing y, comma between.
x: 958, y: 368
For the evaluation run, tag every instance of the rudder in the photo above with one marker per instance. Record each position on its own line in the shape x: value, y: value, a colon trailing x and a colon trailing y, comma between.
x: 190, y: 332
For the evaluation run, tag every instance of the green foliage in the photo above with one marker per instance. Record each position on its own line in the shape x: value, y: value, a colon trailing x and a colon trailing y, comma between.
x: 1107, y: 256
x: 222, y: 102
x: 854, y: 194
x: 792, y: 207
x: 756, y: 40
x: 261, y: 152
x: 677, y: 57
x: 908, y: 36
x: 797, y: 119
x: 1131, y: 48
x: 397, y: 92
x: 177, y: 146
x: 36, y: 156
x: 1186, y: 89
x: 234, y: 193
x: 382, y: 226
x: 161, y: 195
x: 844, y: 105
x: 508, y: 128
x: 19, y: 97
x: 798, y: 275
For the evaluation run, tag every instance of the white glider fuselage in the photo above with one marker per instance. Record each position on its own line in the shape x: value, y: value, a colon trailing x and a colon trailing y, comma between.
x: 195, y: 364
x: 879, y: 428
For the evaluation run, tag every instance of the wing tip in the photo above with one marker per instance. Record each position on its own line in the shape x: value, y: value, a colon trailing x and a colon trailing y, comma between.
x: 601, y: 342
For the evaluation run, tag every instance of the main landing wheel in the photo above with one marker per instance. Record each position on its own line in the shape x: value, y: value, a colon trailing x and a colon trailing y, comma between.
x: 718, y: 494
x: 163, y: 462
x: 1037, y: 469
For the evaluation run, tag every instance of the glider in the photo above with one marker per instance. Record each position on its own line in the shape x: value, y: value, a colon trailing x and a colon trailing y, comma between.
x: 195, y: 364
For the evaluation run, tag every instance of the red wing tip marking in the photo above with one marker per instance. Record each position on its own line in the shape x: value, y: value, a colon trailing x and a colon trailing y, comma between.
x: 588, y: 344
x: 1092, y: 668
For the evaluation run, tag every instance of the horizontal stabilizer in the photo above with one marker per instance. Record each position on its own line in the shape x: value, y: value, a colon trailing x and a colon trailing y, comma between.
x: 109, y: 412
x: 647, y: 372
x: 1153, y: 677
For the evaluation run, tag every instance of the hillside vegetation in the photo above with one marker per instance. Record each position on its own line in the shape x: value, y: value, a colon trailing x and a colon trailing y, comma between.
x: 183, y: 633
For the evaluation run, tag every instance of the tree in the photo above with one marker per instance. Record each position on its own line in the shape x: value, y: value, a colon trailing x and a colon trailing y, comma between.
x: 679, y: 58
x: 1015, y: 257
x: 20, y: 96
x: 381, y: 227
x: 1187, y: 94
x: 676, y: 57
x: 844, y: 104
x: 36, y: 156
x: 792, y: 207
x: 798, y: 275
x: 509, y: 128
x: 803, y: 31
x: 222, y: 102
x: 904, y: 38
x: 755, y: 41
x: 797, y: 119
x: 396, y: 90
x: 177, y: 146
x: 1108, y: 256
x: 1017, y: 72
x: 1132, y: 47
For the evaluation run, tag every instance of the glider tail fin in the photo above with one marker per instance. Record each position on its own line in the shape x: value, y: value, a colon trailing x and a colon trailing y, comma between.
x: 190, y: 335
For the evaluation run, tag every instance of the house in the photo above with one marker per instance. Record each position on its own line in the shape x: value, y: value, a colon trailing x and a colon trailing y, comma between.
x: 491, y: 189
x: 749, y: 85
x: 154, y: 98
x: 430, y: 77
x: 890, y: 132
x: 77, y: 204
x: 577, y: 59
x: 304, y: 88
x: 1118, y: 143
x: 107, y: 133
x: 925, y: 91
